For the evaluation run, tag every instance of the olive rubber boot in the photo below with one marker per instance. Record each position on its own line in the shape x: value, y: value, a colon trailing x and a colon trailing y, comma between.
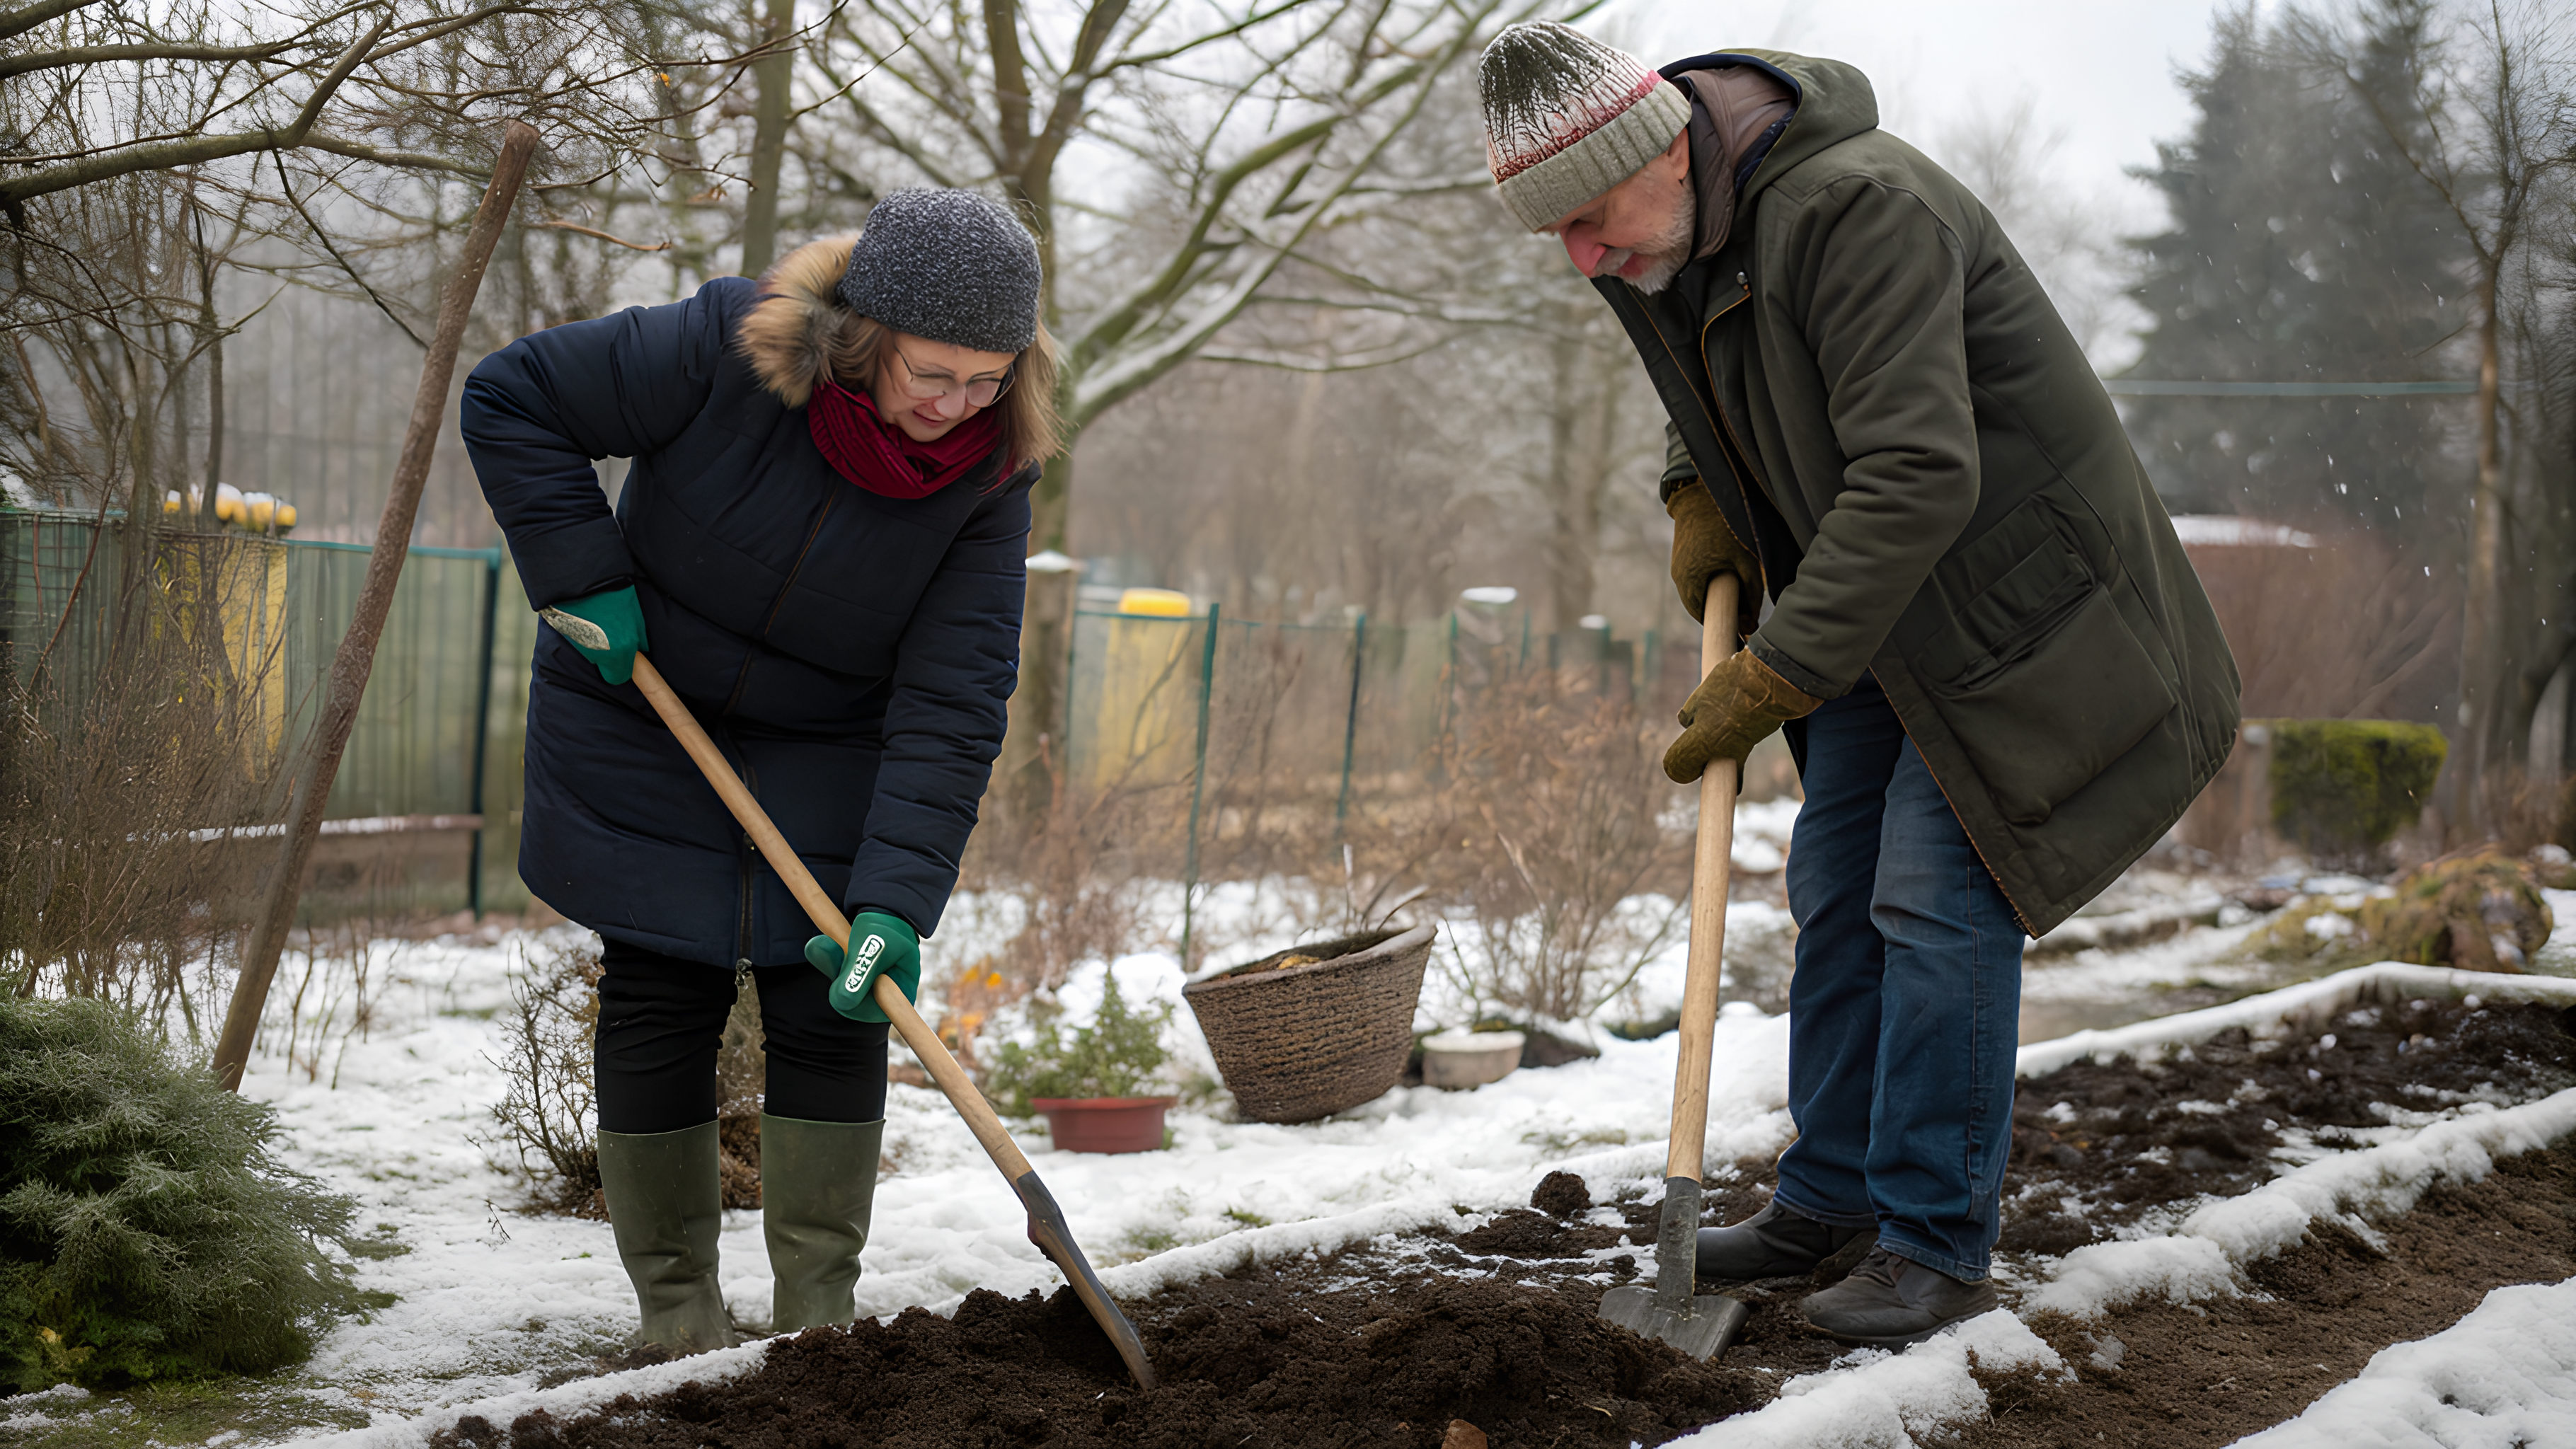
x: 666, y: 1206
x: 817, y: 1181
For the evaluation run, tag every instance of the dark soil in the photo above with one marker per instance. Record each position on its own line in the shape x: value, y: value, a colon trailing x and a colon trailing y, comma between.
x: 1245, y: 1361
x: 2211, y: 1373
x: 1387, y: 1342
x: 2120, y: 1137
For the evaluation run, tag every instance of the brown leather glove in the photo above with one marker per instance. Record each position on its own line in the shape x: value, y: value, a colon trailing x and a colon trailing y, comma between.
x: 1737, y: 707
x: 1703, y: 548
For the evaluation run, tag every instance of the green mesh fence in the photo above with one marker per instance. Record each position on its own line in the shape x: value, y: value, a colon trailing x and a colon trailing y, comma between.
x: 437, y: 739
x: 1215, y: 727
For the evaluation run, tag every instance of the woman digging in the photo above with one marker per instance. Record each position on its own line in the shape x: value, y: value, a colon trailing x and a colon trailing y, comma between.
x: 821, y: 547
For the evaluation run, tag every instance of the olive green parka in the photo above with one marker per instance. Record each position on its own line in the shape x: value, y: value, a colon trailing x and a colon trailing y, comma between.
x: 1886, y: 406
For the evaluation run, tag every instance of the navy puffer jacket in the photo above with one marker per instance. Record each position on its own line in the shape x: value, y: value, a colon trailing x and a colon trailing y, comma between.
x: 850, y: 653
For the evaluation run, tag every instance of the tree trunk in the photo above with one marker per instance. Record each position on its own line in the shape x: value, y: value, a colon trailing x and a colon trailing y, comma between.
x: 771, y: 77
x: 1046, y: 648
x: 1033, y: 747
x: 214, y: 432
x: 2481, y: 664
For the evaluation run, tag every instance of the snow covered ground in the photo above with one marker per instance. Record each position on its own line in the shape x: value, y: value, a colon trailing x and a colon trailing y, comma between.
x: 491, y: 1302
x: 488, y: 1300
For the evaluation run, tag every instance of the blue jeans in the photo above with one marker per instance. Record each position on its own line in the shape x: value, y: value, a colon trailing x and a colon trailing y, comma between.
x: 1904, y: 1011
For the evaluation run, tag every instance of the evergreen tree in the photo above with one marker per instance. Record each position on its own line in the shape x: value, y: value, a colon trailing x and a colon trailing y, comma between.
x: 2302, y: 249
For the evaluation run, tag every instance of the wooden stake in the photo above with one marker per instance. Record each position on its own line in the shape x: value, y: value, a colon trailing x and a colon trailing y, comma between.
x: 357, y: 656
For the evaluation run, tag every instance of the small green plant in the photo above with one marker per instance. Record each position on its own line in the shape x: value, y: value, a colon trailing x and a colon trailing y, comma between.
x: 1116, y: 1056
x: 146, y: 1231
x: 2342, y: 788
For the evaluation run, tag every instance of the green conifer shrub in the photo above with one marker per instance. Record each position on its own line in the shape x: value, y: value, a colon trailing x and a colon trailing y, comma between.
x: 1116, y: 1056
x: 2342, y: 788
x: 146, y: 1232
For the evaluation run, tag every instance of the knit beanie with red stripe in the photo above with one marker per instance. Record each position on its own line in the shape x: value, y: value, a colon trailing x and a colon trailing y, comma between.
x: 1567, y: 118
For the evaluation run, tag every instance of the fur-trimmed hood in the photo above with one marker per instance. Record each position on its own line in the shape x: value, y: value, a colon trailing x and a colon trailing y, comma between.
x: 786, y: 336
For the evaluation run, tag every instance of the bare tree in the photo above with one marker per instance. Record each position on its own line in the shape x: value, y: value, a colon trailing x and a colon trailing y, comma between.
x: 2008, y: 158
x: 1244, y: 135
x: 2490, y: 125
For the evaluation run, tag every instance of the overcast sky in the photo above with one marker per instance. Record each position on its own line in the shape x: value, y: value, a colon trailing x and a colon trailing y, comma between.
x: 2099, y: 72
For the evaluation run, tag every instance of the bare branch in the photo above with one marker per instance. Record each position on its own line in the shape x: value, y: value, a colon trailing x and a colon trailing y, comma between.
x: 103, y: 54
x: 1173, y: 52
x: 603, y: 236
x: 409, y: 160
x: 333, y: 248
x: 18, y: 22
x: 194, y: 150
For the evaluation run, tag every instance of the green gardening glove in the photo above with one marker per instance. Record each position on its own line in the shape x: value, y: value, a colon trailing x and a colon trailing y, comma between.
x: 607, y: 627
x: 882, y: 945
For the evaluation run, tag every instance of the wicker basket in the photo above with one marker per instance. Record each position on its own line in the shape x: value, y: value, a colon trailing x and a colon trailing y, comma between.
x: 1312, y: 1040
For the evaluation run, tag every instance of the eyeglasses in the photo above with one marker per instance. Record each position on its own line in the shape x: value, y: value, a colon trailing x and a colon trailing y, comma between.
x: 983, y: 392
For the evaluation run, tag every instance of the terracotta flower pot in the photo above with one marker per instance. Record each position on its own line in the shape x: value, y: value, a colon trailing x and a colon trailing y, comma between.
x: 1104, y: 1124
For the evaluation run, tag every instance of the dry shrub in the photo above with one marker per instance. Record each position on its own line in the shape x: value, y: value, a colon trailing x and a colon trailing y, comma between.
x: 742, y: 1075
x: 2347, y: 629
x: 1068, y: 884
x: 547, y: 1119
x: 2526, y: 810
x: 1557, y: 802
x: 135, y: 735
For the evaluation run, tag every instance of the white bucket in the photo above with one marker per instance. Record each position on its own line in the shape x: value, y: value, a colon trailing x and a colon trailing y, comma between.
x: 1459, y: 1061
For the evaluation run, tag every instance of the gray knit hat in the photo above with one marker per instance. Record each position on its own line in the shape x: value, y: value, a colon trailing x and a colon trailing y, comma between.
x: 1567, y: 118
x: 951, y: 266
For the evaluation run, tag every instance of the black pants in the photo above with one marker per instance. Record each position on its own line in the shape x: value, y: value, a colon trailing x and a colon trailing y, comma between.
x: 661, y: 1020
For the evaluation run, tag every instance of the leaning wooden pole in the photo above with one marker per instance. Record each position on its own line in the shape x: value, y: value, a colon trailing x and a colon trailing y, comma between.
x: 357, y: 656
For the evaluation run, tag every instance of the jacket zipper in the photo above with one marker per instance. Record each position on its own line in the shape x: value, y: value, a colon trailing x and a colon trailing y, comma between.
x: 1724, y: 426
x: 748, y: 849
x: 1717, y: 424
x: 745, y: 854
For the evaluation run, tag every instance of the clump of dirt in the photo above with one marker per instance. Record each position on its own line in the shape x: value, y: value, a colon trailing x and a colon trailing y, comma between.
x: 1243, y: 1361
x: 1561, y: 1195
x: 2097, y: 1143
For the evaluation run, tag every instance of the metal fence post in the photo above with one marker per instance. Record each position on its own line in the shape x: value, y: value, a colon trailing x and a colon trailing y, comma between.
x: 482, y: 729
x: 1198, y: 785
x: 1351, y: 721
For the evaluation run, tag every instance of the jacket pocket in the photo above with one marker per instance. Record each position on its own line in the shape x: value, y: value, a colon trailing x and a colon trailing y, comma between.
x: 2044, y: 683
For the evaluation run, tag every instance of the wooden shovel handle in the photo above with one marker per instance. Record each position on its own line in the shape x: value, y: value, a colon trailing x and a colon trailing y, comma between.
x: 826, y: 913
x: 1046, y: 1222
x: 1709, y: 862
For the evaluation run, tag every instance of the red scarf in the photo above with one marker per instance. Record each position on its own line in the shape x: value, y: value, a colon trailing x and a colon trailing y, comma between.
x: 885, y: 460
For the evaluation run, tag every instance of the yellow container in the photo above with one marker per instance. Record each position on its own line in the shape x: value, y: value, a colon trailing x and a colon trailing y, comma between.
x: 1161, y: 603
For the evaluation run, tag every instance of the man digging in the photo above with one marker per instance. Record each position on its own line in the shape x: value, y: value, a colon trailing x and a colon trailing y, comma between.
x: 1996, y: 670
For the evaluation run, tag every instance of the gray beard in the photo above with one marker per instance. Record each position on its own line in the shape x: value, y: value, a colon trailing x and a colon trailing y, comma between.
x: 1670, y: 251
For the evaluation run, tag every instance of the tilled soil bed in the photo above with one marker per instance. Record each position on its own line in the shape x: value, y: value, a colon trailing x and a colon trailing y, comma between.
x: 1388, y: 1342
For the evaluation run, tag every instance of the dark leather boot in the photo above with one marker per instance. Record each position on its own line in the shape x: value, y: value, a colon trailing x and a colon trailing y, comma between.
x: 1889, y: 1302
x: 1773, y: 1243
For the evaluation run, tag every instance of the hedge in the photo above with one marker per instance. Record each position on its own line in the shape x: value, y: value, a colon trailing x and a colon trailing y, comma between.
x: 2345, y: 787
